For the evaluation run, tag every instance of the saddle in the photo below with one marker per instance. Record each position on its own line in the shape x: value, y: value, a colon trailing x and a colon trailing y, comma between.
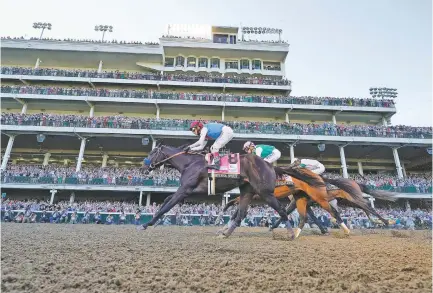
x: 230, y: 167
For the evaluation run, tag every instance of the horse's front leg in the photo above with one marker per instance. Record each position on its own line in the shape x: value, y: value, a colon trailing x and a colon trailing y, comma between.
x: 175, y: 198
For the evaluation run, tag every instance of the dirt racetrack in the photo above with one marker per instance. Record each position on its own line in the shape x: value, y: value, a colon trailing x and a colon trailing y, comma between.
x: 95, y: 258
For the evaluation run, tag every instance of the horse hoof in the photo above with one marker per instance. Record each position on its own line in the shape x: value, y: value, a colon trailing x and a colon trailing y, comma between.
x: 219, y: 232
x: 222, y: 236
x: 141, y: 227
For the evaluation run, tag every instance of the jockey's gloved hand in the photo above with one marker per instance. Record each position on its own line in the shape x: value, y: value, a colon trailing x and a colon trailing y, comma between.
x: 186, y: 149
x: 302, y: 165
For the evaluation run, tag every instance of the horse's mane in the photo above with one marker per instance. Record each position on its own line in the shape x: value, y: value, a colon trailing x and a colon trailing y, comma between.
x: 304, y: 175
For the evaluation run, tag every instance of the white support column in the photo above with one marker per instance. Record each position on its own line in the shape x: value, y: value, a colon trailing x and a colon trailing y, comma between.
x: 403, y: 168
x: 334, y: 119
x: 153, y: 143
x: 384, y: 122
x: 408, y: 208
x: 148, y: 197
x: 158, y: 112
x: 226, y: 197
x: 8, y: 151
x: 343, y: 162
x: 360, y: 169
x: 24, y: 109
x: 287, y: 116
x: 397, y: 162
x: 223, y: 114
x: 92, y: 111
x: 292, y: 153
x: 38, y: 61
x: 140, y: 199
x: 100, y: 66
x: 104, y: 160
x: 81, y: 154
x: 53, y: 192
x: 46, y: 159
x: 372, y: 199
x: 72, y: 197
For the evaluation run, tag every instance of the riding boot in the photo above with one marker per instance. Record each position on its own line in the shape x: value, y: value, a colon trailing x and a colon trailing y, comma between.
x: 216, y: 161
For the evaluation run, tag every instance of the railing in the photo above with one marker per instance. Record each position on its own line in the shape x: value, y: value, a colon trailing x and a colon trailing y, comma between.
x: 140, y: 94
x: 185, y: 219
x: 136, y: 181
x: 119, y: 181
x: 141, y: 76
x: 327, y: 129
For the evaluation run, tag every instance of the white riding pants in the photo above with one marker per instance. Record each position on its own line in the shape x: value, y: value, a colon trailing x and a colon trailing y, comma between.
x: 274, y: 156
x: 222, y: 140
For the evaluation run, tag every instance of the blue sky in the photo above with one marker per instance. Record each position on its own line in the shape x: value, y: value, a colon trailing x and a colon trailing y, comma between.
x: 337, y: 47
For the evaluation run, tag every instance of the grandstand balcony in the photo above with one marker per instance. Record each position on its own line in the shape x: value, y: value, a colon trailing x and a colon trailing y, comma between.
x: 152, y: 81
x: 180, y: 131
x: 287, y: 104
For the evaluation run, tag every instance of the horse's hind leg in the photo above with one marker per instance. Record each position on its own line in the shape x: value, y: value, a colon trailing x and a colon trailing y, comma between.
x: 290, y: 209
x: 245, y: 200
x: 273, y: 202
x: 224, y: 229
x: 316, y: 221
x: 301, y: 205
x: 320, y: 197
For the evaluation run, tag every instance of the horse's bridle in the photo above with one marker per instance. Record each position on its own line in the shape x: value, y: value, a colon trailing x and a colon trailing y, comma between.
x: 155, y: 165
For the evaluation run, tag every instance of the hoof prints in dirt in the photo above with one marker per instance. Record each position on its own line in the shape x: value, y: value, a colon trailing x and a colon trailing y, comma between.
x: 91, y: 258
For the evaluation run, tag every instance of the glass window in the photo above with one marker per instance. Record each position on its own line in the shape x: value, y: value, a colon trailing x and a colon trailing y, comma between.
x: 245, y: 64
x: 202, y: 62
x: 180, y: 61
x: 191, y: 62
x: 233, y: 64
x: 232, y: 39
x: 257, y: 65
x: 214, y: 63
x: 276, y: 66
x: 220, y: 38
x: 169, y: 62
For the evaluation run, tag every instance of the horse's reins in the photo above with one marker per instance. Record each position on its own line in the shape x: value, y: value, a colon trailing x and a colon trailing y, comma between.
x: 153, y: 166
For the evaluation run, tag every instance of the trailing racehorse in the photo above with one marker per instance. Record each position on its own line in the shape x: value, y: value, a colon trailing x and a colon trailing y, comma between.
x: 317, y: 193
x: 350, y: 196
x: 256, y: 177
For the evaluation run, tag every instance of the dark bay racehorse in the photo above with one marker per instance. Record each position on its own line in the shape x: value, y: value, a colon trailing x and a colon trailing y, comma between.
x: 256, y: 177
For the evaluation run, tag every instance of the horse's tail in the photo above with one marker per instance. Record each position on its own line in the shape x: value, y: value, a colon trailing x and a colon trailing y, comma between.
x: 311, y: 179
x: 348, y: 185
x: 379, y: 194
x: 231, y: 203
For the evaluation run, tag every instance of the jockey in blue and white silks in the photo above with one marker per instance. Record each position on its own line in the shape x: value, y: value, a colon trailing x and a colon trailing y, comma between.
x: 221, y: 133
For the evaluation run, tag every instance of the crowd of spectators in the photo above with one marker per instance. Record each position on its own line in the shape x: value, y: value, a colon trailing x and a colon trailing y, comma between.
x: 283, y: 128
x: 205, y: 77
x: 133, y: 42
x: 82, y: 41
x: 218, y: 97
x: 60, y: 174
x: 204, y: 213
x: 413, y: 183
x: 264, y: 41
x: 133, y: 176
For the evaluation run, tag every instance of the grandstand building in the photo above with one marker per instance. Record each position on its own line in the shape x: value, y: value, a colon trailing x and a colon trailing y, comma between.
x: 108, y: 104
